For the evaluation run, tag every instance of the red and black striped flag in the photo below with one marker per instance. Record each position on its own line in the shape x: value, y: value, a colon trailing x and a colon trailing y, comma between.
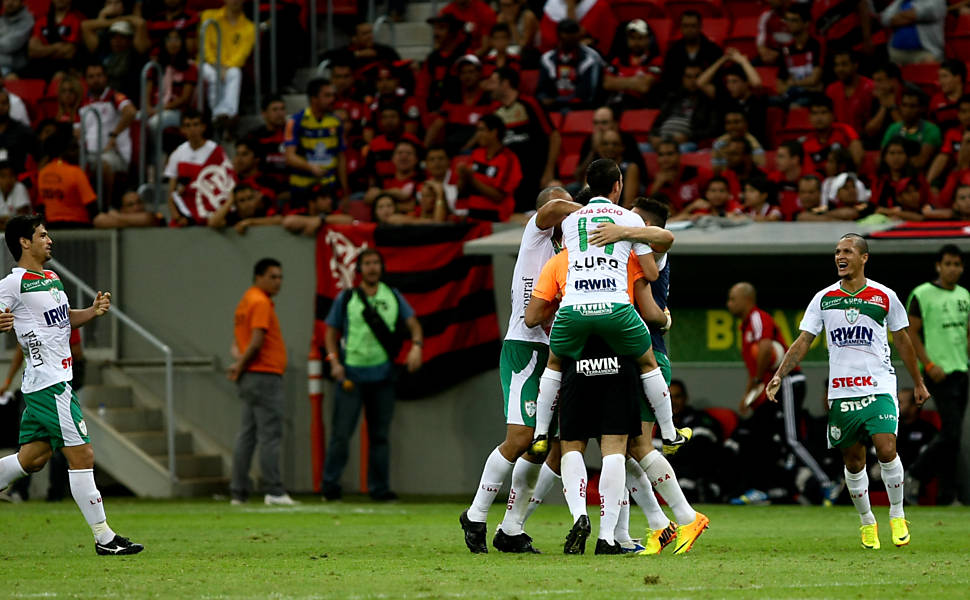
x: 451, y: 293
x: 924, y: 229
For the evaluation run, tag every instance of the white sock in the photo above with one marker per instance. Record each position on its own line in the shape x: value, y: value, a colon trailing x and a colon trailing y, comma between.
x: 858, y: 484
x: 10, y: 470
x: 642, y: 492
x: 496, y: 470
x: 892, y: 477
x: 88, y: 499
x: 612, y: 480
x: 658, y: 396
x: 573, y: 469
x: 662, y: 476
x: 546, y: 402
x: 622, y: 531
x: 524, y: 477
x: 547, y: 480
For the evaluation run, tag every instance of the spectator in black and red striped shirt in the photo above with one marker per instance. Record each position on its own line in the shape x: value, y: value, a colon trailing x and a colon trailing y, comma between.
x: 635, y: 69
x: 801, y: 69
x: 378, y: 164
x: 773, y: 34
x: 487, y: 184
x: 172, y: 15
x: 267, y: 141
x: 943, y: 105
x: 389, y: 88
x: 459, y: 113
x: 952, y: 142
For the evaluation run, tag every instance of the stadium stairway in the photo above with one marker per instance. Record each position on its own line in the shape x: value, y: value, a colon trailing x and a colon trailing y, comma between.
x: 126, y: 423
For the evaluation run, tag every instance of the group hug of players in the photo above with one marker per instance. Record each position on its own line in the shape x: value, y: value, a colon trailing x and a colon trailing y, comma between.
x: 600, y: 274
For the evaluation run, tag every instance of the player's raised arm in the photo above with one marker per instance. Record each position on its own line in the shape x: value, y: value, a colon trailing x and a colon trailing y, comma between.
x: 101, y: 305
x: 657, y: 237
x: 553, y: 212
x: 796, y: 352
x: 904, y: 345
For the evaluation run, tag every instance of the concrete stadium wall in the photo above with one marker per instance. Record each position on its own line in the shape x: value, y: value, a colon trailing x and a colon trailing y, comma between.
x: 184, y: 285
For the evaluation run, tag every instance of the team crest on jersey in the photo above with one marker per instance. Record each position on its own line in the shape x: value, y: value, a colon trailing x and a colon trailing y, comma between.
x: 835, y: 433
x: 55, y: 293
x: 530, y: 408
x: 851, y: 314
x: 82, y: 427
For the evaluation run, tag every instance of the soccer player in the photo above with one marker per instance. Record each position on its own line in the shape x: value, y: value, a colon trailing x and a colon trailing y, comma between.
x: 857, y: 314
x: 646, y: 468
x: 524, y: 352
x: 35, y: 304
x: 596, y: 302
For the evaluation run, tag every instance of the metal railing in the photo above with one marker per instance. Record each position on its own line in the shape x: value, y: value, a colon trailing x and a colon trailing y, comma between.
x: 329, y: 25
x: 99, y: 148
x: 218, y: 66
x: 386, y: 20
x: 272, y: 46
x: 65, y: 273
x: 257, y: 68
x: 143, y: 126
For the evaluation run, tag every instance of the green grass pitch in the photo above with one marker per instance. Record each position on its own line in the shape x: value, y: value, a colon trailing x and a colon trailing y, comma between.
x: 207, y: 549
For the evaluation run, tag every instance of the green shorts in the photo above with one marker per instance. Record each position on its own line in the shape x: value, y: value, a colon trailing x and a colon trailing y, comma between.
x: 618, y: 324
x: 854, y: 420
x: 646, y: 413
x: 53, y: 415
x: 520, y: 367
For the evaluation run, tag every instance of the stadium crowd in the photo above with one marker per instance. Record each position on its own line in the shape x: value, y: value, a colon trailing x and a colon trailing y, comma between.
x: 738, y: 109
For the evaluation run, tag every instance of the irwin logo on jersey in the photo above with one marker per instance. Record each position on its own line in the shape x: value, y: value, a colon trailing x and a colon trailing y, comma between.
x: 851, y: 336
x: 58, y: 317
x: 606, y: 284
x: 598, y: 366
x: 844, y: 382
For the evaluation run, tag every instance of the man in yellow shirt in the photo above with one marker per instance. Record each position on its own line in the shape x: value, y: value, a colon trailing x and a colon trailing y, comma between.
x: 238, y: 36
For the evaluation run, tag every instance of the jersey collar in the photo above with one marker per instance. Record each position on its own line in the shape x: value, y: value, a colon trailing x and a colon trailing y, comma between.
x: 600, y: 200
x: 857, y: 292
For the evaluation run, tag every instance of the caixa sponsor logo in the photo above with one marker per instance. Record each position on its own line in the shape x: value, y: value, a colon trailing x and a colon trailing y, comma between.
x: 844, y: 382
x: 609, y: 365
x: 851, y: 336
x: 606, y: 284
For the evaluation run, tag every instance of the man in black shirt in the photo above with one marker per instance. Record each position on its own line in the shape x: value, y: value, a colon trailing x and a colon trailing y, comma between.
x: 692, y: 48
x: 16, y: 139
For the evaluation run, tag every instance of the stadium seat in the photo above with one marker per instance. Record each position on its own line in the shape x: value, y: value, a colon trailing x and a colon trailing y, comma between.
x: 743, y: 8
x: 717, y: 29
x: 661, y: 28
x: 200, y: 5
x: 576, y: 127
x: 707, y: 8
x: 359, y: 210
x: 29, y: 90
x: 38, y: 8
x: 638, y: 122
x: 556, y: 119
x: 796, y: 124
x: 567, y: 166
x: 743, y: 36
x: 770, y: 159
x: 627, y: 10
x: 956, y: 24
x: 696, y: 159
x: 870, y: 163
x: 769, y: 78
x: 529, y: 82
x: 926, y: 76
x: 726, y: 417
x: 774, y: 121
x: 650, y: 159
x: 958, y: 45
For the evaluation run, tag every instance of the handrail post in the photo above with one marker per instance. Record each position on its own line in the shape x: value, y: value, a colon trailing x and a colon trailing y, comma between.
x: 371, y: 9
x: 257, y: 73
x: 312, y: 22
x: 99, y: 186
x: 218, y: 65
x: 381, y: 22
x: 143, y: 126
x: 272, y: 45
x: 119, y: 314
x: 329, y: 25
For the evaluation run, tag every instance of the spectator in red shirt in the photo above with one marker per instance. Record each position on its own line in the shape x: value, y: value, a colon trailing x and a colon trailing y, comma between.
x: 739, y: 160
x: 487, y: 183
x: 346, y: 99
x: 789, y: 160
x: 267, y: 141
x: 501, y: 54
x: 943, y: 105
x: 459, y: 113
x: 681, y: 183
x: 810, y: 200
x: 249, y: 170
x: 910, y: 203
x: 759, y: 200
x: 886, y: 96
x: 404, y: 183
x: 828, y: 135
x: 717, y: 201
x: 378, y: 164
x: 851, y: 94
x: 477, y: 16
x: 952, y: 141
x: 363, y: 53
x: 635, y: 68
x: 389, y: 89
x: 56, y: 39
x: 801, y: 69
x: 172, y: 15
x: 773, y: 34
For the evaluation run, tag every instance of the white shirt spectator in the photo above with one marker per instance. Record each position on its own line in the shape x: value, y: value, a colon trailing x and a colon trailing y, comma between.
x: 12, y: 204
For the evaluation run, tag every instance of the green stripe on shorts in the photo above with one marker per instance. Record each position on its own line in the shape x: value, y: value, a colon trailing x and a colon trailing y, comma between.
x: 53, y: 415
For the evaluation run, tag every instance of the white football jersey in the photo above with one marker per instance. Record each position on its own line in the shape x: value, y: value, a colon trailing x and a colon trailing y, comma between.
x: 42, y: 322
x: 856, y: 328
x: 536, y: 248
x: 598, y: 274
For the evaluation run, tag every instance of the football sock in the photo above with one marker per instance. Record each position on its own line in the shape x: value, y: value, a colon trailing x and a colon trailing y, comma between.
x: 658, y: 396
x: 10, y: 470
x: 892, y: 476
x: 661, y: 475
x: 547, y: 479
x: 612, y: 480
x: 496, y: 470
x: 622, y: 532
x: 524, y: 476
x: 642, y: 492
x: 574, y: 482
x: 858, y: 484
x: 546, y: 402
x: 88, y: 499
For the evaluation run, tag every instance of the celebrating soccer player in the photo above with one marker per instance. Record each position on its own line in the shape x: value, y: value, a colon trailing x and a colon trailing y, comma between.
x: 857, y: 314
x: 35, y: 304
